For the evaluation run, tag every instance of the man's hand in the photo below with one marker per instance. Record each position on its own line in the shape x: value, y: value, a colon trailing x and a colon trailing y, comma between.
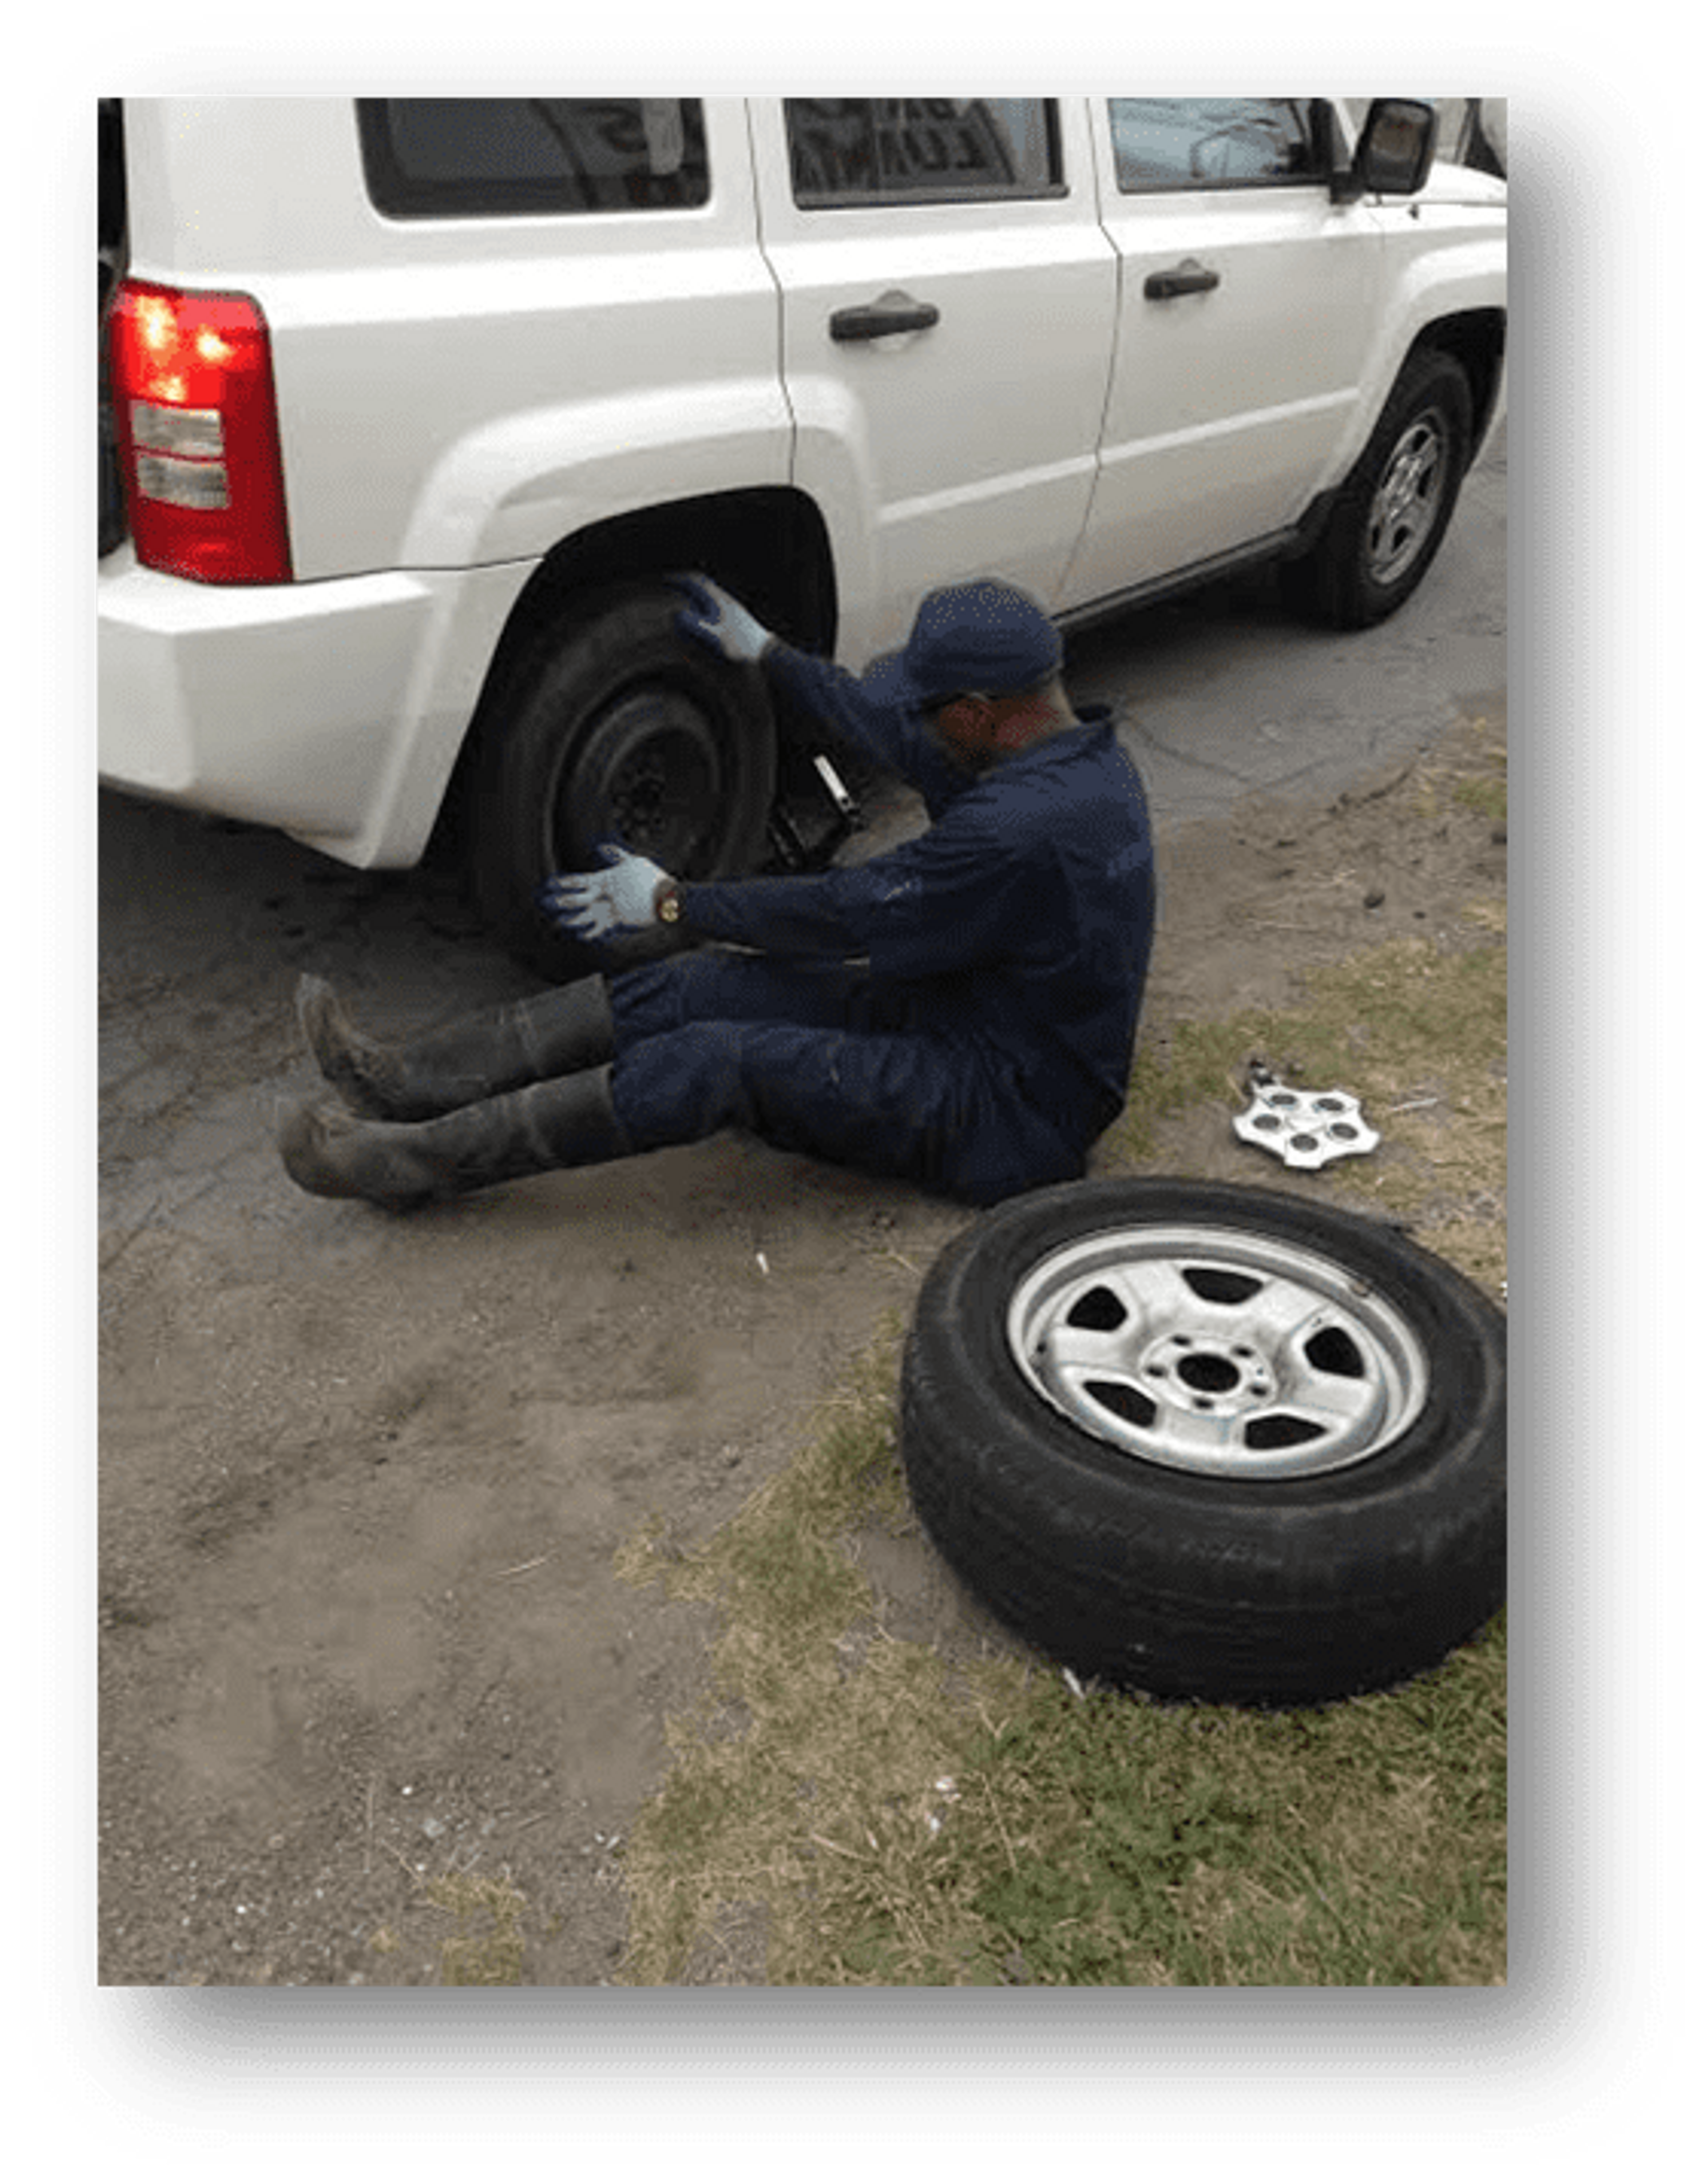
x: 590, y: 905
x: 718, y: 619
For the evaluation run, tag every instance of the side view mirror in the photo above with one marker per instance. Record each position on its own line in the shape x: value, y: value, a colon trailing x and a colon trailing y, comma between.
x: 1393, y: 154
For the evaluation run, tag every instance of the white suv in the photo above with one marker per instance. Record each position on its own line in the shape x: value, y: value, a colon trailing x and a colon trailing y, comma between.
x: 411, y: 407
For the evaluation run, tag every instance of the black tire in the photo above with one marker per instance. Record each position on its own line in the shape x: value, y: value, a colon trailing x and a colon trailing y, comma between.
x: 1229, y: 1547
x: 619, y: 728
x: 1391, y: 514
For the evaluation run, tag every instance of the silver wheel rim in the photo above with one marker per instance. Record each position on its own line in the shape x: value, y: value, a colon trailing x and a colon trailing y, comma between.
x: 1407, y: 500
x: 1217, y: 1352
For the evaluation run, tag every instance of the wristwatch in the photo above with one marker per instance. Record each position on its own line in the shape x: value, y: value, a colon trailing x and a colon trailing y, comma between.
x: 668, y: 904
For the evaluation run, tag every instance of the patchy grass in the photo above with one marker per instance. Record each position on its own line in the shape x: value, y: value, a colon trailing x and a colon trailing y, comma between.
x: 1482, y: 785
x: 848, y: 1807
x: 1417, y: 1030
x: 1138, y: 1845
x: 1476, y: 775
x: 487, y: 1949
x: 868, y: 1812
x: 1487, y: 796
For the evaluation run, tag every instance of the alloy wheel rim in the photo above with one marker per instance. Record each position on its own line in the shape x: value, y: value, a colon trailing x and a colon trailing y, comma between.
x: 1408, y: 499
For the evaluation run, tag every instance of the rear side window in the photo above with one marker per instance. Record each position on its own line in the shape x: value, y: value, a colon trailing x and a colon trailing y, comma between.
x: 440, y: 159
x: 1211, y: 143
x: 866, y: 151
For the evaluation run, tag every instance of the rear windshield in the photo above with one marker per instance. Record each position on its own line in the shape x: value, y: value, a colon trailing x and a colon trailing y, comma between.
x: 469, y: 158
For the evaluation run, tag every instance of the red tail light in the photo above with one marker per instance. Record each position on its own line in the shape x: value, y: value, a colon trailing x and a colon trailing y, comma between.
x: 197, y: 427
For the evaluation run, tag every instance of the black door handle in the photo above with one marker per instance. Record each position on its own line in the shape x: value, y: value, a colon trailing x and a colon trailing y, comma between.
x: 895, y: 312
x: 1189, y: 279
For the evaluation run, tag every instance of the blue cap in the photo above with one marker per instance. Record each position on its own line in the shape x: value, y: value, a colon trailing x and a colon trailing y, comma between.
x: 985, y: 635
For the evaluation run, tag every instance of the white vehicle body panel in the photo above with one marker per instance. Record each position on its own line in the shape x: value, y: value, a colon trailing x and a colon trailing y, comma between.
x: 460, y: 397
x: 969, y: 445
x: 488, y: 377
x: 334, y: 711
x: 1216, y: 433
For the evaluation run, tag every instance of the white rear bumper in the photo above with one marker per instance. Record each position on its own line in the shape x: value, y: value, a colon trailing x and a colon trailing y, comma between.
x: 332, y: 710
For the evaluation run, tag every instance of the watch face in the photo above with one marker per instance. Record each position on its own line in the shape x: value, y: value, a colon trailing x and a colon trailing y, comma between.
x: 669, y: 909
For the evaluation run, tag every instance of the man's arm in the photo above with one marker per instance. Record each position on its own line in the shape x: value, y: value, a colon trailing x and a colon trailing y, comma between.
x: 884, y: 733
x: 894, y: 740
x: 932, y: 906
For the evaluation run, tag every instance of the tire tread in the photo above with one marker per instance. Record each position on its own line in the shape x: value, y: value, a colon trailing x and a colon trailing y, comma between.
x: 1283, y: 1593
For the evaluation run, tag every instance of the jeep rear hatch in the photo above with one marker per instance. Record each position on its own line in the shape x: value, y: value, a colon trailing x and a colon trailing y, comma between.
x: 191, y: 468
x: 110, y: 255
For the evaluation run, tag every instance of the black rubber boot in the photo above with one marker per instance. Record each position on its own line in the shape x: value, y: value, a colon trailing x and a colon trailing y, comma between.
x: 555, y: 1034
x: 566, y: 1122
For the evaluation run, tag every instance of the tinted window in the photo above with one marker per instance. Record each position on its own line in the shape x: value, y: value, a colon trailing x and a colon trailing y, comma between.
x: 110, y: 201
x: 1211, y: 143
x: 860, y: 151
x: 441, y: 157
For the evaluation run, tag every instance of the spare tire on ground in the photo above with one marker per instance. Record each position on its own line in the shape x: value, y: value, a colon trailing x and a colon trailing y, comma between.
x: 1210, y: 1442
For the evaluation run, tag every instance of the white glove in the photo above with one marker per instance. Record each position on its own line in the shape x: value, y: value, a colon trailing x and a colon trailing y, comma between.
x: 718, y: 619
x: 588, y: 905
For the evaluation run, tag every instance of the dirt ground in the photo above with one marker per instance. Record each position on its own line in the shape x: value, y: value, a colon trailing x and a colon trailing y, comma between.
x: 365, y: 1659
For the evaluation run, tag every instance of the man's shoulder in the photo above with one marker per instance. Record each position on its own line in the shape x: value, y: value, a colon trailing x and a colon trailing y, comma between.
x: 1086, y: 763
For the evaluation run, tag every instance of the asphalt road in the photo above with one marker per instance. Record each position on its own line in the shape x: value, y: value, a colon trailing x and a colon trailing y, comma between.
x: 1226, y: 696
x: 204, y: 925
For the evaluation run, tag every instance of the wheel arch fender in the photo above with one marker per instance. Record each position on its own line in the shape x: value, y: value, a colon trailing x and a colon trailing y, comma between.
x: 1463, y: 315
x: 767, y: 544
x: 510, y: 486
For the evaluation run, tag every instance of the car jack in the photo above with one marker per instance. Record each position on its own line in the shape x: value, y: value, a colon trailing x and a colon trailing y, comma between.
x: 799, y: 840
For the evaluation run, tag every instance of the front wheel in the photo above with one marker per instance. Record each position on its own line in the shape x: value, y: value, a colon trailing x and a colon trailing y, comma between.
x: 1209, y: 1442
x: 1392, y: 513
x: 622, y: 729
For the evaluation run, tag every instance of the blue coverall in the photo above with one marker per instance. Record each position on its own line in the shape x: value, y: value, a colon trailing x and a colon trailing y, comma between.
x: 983, y: 1041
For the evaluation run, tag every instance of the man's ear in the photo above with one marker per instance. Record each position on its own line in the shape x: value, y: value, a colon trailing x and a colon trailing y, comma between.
x: 957, y: 717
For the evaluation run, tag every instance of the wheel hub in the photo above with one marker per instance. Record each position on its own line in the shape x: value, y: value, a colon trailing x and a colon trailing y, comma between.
x: 1213, y: 1379
x: 650, y: 776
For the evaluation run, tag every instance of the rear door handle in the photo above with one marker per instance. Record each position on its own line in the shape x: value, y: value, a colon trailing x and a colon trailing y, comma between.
x: 1189, y: 279
x: 894, y: 313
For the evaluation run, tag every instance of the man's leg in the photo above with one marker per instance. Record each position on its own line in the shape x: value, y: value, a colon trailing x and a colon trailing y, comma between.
x: 565, y: 1122
x: 555, y: 1034
x: 885, y: 1105
x: 817, y: 1059
x: 724, y: 986
x: 904, y: 1104
x: 882, y: 1105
